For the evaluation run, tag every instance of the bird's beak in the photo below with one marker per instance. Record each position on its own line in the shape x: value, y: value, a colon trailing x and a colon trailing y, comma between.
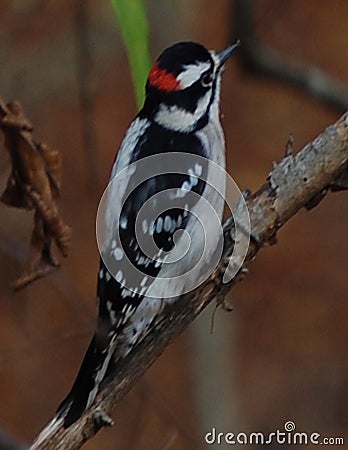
x: 225, y: 54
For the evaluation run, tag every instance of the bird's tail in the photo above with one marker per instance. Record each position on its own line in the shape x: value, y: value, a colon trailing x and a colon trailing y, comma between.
x: 87, y: 383
x: 83, y: 392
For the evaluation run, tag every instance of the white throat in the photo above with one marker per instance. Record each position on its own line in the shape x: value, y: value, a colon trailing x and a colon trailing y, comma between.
x: 178, y: 119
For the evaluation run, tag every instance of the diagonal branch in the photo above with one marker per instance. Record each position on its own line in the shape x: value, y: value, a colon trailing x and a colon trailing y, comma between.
x: 256, y: 57
x: 296, y: 182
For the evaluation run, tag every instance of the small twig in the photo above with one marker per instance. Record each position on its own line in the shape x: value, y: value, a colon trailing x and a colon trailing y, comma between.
x: 27, y: 278
x: 101, y: 419
x: 289, y: 145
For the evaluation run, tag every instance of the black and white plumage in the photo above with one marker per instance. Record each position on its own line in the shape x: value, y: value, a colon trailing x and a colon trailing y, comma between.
x: 180, y: 117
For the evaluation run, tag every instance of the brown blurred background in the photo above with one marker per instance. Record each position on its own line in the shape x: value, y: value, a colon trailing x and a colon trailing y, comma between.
x: 281, y: 354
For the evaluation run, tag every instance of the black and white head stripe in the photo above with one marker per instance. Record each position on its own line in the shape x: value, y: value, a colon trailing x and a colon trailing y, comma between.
x: 192, y: 73
x: 178, y: 57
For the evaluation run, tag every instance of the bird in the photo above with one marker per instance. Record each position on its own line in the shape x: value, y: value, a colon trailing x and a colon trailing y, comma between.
x: 179, y: 124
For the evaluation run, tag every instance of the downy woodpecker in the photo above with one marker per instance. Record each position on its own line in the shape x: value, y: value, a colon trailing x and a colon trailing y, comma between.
x: 180, y: 117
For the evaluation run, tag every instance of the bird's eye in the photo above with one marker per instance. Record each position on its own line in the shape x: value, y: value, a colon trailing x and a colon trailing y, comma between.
x: 206, y: 79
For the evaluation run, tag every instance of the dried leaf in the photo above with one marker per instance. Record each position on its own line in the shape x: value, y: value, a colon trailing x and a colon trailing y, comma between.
x: 34, y: 184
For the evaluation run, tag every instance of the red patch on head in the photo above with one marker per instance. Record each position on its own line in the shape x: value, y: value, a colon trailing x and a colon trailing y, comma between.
x: 163, y: 80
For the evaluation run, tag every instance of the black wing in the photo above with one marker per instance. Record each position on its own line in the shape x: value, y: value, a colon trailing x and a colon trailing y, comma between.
x: 174, y: 202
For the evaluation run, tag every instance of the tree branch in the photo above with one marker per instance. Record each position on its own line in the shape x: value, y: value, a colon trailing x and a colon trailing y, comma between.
x: 258, y: 58
x: 296, y: 182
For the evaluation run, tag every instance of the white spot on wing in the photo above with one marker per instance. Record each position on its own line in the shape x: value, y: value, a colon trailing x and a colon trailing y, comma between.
x: 111, y: 312
x: 186, y: 186
x: 123, y: 223
x: 142, y: 260
x: 141, y: 320
x: 167, y: 224
x: 145, y: 226
x: 198, y: 169
x: 193, y: 181
x: 118, y: 254
x: 135, y: 291
x: 143, y: 281
x: 119, y: 276
x: 151, y: 228
x: 183, y: 190
x: 159, y: 225
x: 125, y: 293
x: 142, y: 291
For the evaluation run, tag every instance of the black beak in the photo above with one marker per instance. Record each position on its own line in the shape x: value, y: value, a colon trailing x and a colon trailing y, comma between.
x: 225, y: 54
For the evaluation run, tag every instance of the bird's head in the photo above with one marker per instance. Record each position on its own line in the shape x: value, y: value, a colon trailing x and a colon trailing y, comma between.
x: 183, y: 85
